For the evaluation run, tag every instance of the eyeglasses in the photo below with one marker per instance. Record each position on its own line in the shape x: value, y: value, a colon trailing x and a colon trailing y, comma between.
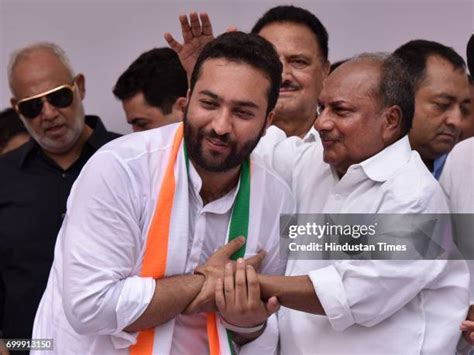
x: 60, y: 97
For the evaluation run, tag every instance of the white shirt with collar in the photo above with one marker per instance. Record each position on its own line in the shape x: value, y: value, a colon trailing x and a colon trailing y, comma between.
x: 109, y: 210
x: 457, y: 181
x: 372, y: 307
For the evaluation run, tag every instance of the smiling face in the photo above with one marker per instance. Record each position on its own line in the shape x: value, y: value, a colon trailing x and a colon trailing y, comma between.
x: 226, y: 114
x: 351, y: 122
x: 55, y: 129
x: 304, y: 69
x: 441, y: 103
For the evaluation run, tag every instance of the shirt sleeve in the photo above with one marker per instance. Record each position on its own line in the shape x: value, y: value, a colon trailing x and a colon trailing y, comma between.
x: 368, y: 292
x: 102, y: 245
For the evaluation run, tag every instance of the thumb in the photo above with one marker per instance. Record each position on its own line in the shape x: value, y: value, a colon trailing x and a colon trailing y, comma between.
x: 272, y: 305
x: 256, y: 260
x: 231, y: 247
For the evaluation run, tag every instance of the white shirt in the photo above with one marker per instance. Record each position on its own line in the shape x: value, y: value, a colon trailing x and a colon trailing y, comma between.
x: 457, y: 181
x: 457, y: 178
x: 372, y: 307
x: 89, y: 301
x: 311, y: 136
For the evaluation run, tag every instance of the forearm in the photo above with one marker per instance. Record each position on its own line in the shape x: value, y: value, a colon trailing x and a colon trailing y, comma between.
x: 172, y: 295
x: 295, y: 292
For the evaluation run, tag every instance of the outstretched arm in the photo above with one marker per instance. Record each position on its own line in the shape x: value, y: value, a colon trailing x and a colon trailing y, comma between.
x: 296, y: 292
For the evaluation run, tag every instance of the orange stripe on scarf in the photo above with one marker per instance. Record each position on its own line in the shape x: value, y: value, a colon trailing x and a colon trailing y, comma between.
x: 156, y: 253
x: 212, y: 334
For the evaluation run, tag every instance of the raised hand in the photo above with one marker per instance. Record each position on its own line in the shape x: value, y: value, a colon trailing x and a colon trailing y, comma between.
x: 197, y: 32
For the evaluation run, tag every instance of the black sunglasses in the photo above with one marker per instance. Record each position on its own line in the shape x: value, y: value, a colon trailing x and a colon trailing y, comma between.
x: 60, y: 97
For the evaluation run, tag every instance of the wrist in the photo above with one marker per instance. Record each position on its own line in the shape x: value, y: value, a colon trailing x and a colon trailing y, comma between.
x: 242, y: 330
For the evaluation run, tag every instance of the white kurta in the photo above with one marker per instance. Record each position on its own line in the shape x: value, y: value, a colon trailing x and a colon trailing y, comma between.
x: 94, y: 289
x: 372, y: 307
x: 457, y: 181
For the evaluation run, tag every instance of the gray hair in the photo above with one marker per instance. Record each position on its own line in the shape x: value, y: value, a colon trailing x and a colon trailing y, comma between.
x: 22, y: 53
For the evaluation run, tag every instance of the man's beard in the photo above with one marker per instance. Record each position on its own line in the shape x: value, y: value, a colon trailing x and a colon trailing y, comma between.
x: 217, y: 163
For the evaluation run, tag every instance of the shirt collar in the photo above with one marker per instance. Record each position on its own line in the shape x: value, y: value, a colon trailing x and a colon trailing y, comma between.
x: 221, y: 205
x: 385, y: 163
x: 311, y: 136
x: 96, y: 140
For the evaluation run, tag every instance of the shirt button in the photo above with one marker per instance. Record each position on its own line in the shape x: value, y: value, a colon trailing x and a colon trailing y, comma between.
x: 64, y: 175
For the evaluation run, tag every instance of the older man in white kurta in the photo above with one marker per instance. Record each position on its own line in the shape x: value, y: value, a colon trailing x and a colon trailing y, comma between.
x: 364, y: 307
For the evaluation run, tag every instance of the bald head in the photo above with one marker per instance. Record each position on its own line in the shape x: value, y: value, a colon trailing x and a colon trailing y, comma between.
x: 362, y: 109
x: 36, y: 52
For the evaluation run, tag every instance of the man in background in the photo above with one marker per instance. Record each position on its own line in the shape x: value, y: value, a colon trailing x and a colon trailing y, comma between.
x: 153, y: 90
x: 442, y: 99
x: 13, y: 133
x: 37, y: 177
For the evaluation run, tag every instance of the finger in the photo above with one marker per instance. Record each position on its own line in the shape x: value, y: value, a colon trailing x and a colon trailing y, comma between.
x: 185, y: 28
x: 231, y: 247
x: 220, y: 298
x: 256, y: 260
x: 231, y: 28
x: 174, y: 44
x: 272, y: 305
x: 206, y: 24
x: 253, y: 287
x: 229, y: 285
x: 195, y: 24
x: 468, y: 324
x: 240, y: 285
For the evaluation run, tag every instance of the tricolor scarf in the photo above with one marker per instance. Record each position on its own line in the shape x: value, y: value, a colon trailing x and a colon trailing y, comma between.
x: 167, y: 238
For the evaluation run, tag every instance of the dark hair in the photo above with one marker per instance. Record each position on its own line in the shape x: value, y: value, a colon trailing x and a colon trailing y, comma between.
x: 470, y: 55
x: 296, y: 15
x: 10, y: 124
x: 158, y: 74
x: 396, y: 88
x: 337, y: 64
x: 415, y: 55
x: 244, y: 48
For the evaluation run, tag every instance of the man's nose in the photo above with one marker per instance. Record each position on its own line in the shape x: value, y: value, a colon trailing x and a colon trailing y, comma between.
x: 222, y: 122
x: 323, y: 121
x: 48, y: 111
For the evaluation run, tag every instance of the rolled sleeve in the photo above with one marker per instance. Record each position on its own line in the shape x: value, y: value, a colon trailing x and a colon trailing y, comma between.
x: 135, y: 296
x: 331, y: 293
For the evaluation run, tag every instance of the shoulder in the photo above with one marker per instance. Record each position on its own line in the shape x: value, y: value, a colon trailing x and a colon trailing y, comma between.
x: 139, y: 145
x: 271, y: 185
x: 413, y: 189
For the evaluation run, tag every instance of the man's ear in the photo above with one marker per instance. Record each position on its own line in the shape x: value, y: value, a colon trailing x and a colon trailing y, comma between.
x: 326, y: 68
x: 81, y: 85
x: 392, y: 126
x: 180, y: 104
x: 269, y: 121
x: 13, y: 102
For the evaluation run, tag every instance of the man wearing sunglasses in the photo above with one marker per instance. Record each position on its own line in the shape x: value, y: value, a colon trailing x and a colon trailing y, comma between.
x: 37, y: 177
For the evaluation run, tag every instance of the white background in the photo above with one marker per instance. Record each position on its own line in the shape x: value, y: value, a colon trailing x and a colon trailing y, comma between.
x: 102, y: 37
